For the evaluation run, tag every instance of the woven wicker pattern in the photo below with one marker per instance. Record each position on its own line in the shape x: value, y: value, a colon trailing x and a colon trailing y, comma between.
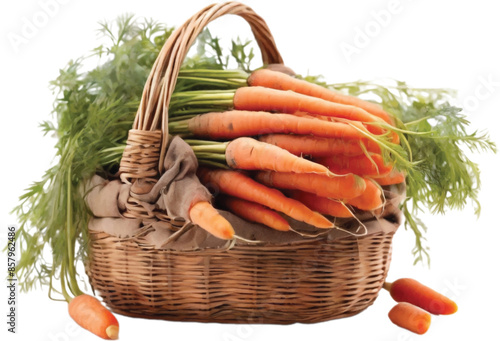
x: 141, y: 155
x: 310, y: 282
x: 313, y: 281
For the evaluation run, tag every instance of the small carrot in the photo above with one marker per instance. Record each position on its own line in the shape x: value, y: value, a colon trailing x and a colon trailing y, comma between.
x: 90, y: 314
x: 394, y: 177
x: 322, y: 205
x: 371, y: 198
x: 257, y: 98
x: 320, y: 146
x: 255, y: 212
x: 280, y: 81
x: 238, y: 185
x: 337, y: 187
x: 246, y: 153
x: 250, y: 154
x: 410, y: 317
x: 234, y: 123
x: 414, y: 292
x: 363, y: 165
x: 207, y: 217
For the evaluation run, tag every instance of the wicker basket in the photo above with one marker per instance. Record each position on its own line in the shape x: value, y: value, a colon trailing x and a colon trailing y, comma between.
x: 313, y: 280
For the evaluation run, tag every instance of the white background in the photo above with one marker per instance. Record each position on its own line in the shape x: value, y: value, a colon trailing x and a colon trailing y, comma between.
x: 452, y: 44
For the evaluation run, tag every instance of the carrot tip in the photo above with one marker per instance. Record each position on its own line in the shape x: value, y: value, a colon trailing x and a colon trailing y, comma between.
x: 112, y: 332
x: 228, y: 235
x: 387, y: 286
x: 453, y: 309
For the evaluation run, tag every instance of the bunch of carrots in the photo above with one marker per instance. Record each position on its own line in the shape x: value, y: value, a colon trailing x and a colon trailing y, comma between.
x: 284, y: 147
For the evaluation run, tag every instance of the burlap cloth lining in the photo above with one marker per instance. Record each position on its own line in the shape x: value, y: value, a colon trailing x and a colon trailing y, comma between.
x: 179, y: 187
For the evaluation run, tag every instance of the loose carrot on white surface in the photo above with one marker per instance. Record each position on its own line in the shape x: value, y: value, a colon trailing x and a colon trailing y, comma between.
x: 91, y: 315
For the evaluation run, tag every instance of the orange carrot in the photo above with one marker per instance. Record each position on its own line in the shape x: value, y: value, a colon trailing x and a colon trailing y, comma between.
x: 370, y: 199
x: 257, y: 98
x: 90, y: 314
x: 414, y: 292
x: 233, y: 124
x: 337, y: 187
x: 250, y: 154
x: 410, y: 317
x: 322, y: 205
x: 254, y: 212
x: 207, y: 217
x: 394, y: 177
x: 280, y: 81
x: 241, y: 186
x: 319, y: 146
x: 363, y: 165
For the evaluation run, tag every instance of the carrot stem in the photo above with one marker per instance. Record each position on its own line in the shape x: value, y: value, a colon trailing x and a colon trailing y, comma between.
x: 64, y: 292
x: 185, y: 113
x: 70, y: 240
x: 211, y: 163
x: 210, y: 148
x: 202, y: 99
x: 196, y: 142
x: 214, y: 156
x: 387, y: 147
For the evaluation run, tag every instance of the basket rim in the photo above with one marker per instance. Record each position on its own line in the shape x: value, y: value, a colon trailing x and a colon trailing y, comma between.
x: 179, y: 239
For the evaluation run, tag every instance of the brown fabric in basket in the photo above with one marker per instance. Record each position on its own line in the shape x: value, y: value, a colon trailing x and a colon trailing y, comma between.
x: 107, y: 198
x: 174, y: 192
x: 179, y: 186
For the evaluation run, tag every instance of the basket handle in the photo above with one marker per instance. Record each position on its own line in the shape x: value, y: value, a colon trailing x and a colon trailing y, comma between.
x: 152, y: 114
